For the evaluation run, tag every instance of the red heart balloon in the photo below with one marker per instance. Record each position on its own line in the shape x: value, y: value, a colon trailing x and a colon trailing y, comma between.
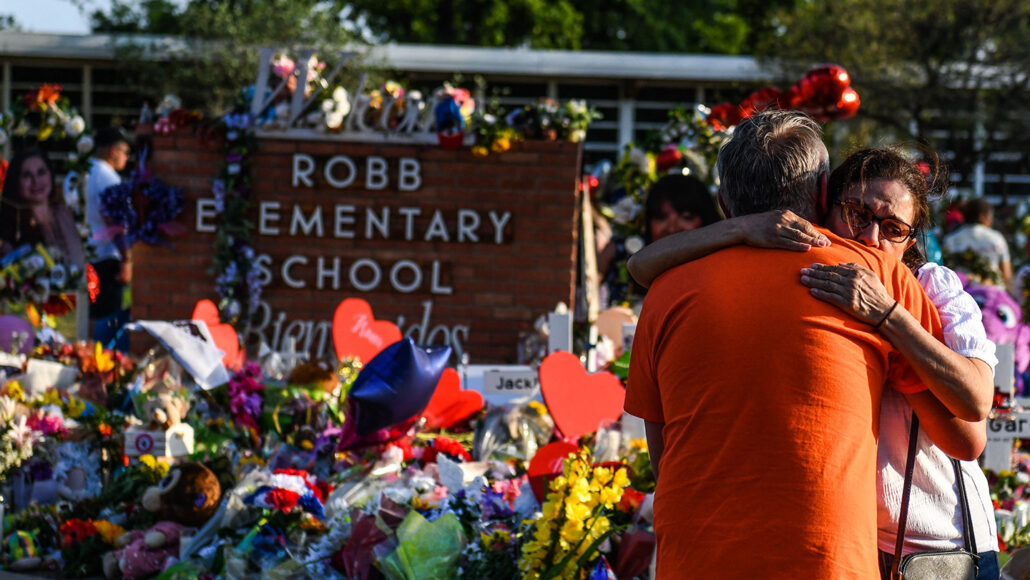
x: 848, y: 104
x: 763, y: 99
x: 357, y: 334
x: 723, y: 116
x: 224, y: 335
x: 547, y: 463
x: 578, y: 401
x: 669, y: 157
x: 450, y: 404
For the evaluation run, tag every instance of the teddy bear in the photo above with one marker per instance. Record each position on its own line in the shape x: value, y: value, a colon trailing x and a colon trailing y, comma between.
x: 189, y: 494
x: 164, y: 411
x: 142, y: 554
x: 163, y: 435
x: 1003, y: 321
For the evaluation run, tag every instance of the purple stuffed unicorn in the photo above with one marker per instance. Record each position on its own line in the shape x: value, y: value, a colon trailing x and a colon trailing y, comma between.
x: 1003, y: 321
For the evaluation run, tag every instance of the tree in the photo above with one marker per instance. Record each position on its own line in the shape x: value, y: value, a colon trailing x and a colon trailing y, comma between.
x: 711, y: 26
x: 951, y: 73
x: 208, y: 49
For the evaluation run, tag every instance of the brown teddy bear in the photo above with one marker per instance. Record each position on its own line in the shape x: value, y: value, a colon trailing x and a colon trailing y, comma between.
x: 189, y: 494
x: 164, y: 411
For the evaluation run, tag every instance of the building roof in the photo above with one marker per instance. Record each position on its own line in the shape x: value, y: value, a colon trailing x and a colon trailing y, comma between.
x: 425, y: 58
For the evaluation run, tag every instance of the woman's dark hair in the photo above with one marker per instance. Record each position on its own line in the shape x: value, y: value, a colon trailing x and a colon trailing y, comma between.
x: 889, y: 164
x: 15, y: 213
x: 686, y: 194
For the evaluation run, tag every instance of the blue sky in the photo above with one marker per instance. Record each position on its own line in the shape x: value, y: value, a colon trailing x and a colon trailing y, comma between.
x: 50, y: 15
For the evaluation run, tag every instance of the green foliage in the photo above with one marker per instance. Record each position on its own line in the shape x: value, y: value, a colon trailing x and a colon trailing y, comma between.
x: 216, y: 43
x: 711, y: 26
x: 926, y: 69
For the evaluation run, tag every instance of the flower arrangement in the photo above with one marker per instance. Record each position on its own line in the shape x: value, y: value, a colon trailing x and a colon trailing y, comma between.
x: 236, y: 278
x: 31, y: 275
x: 574, y: 521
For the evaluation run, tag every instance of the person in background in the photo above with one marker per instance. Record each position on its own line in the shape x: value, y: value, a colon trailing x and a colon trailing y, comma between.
x: 677, y: 203
x: 761, y: 402
x: 33, y: 211
x: 113, y: 261
x: 977, y: 235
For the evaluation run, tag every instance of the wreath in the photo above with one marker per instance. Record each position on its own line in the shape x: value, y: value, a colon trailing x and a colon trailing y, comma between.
x: 123, y: 205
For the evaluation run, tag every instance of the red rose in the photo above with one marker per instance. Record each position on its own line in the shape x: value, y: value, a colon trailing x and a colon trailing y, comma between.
x: 282, y: 499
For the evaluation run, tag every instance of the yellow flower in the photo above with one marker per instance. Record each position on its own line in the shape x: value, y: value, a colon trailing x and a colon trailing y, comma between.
x: 480, y: 151
x: 621, y: 479
x: 108, y: 531
x: 576, y: 512
x: 51, y: 397
x: 602, y: 475
x: 157, y: 465
x: 15, y: 391
x: 501, y: 145
x: 105, y: 362
x: 572, y: 531
x: 639, y: 444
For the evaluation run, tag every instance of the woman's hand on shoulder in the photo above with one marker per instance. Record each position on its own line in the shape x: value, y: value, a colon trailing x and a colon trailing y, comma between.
x: 780, y: 229
x: 852, y: 288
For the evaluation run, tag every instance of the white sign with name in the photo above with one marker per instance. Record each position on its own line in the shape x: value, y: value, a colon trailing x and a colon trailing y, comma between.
x: 997, y: 455
x: 503, y: 384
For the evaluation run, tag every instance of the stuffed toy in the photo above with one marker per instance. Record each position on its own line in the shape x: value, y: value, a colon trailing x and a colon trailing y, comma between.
x: 142, y: 554
x: 1003, y: 321
x: 189, y: 495
x: 164, y: 411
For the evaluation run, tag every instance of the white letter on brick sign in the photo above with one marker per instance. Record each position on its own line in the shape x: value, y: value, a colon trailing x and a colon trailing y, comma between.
x: 435, y: 287
x: 303, y: 167
x: 268, y: 212
x: 206, y: 209
x: 499, y: 223
x: 468, y: 223
x: 409, y: 178
x: 437, y: 228
x: 344, y: 218
x: 377, y: 274
x: 352, y: 172
x: 409, y: 214
x: 287, y: 264
x: 375, y: 173
x: 416, y: 280
x: 313, y: 223
x: 323, y: 273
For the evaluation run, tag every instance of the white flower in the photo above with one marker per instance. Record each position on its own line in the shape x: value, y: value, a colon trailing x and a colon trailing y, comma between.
x: 3, y: 137
x: 328, y: 105
x: 22, y: 435
x: 75, y: 126
x: 1023, y: 477
x: 58, y: 275
x: 634, y: 244
x: 84, y: 145
x: 334, y: 121
x: 52, y: 120
x: 625, y: 210
x: 233, y: 168
x: 340, y: 94
x: 7, y: 408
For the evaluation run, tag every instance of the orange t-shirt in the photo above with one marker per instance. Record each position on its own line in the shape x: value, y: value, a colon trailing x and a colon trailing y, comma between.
x: 770, y: 400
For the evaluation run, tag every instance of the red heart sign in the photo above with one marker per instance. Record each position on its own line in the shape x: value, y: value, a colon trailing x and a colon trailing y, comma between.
x: 547, y: 463
x: 357, y: 334
x: 450, y: 404
x: 578, y: 401
x: 224, y: 335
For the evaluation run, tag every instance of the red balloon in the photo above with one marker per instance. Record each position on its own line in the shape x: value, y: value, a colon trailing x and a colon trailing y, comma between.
x: 763, y: 99
x: 848, y: 104
x: 822, y: 87
x: 724, y: 116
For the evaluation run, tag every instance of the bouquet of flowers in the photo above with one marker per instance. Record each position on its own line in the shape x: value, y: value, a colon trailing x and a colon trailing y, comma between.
x: 31, y: 275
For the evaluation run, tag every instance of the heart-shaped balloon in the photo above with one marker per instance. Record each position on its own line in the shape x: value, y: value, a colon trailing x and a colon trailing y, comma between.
x: 547, y: 463
x: 578, y: 401
x: 450, y: 404
x: 224, y: 335
x: 357, y: 334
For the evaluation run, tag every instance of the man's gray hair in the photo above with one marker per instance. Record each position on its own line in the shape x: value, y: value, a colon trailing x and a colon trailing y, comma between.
x: 774, y: 160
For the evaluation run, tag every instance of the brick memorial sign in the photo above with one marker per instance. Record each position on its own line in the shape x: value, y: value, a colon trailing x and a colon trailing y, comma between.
x: 454, y: 248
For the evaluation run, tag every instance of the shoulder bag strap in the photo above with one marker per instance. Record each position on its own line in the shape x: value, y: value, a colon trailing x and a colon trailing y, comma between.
x: 910, y: 463
x: 963, y: 501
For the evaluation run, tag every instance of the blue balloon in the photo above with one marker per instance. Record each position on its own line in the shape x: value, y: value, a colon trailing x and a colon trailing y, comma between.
x: 396, y: 385
x: 448, y: 115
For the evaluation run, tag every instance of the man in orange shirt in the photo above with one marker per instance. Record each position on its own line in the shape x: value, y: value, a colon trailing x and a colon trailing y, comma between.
x: 761, y: 402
